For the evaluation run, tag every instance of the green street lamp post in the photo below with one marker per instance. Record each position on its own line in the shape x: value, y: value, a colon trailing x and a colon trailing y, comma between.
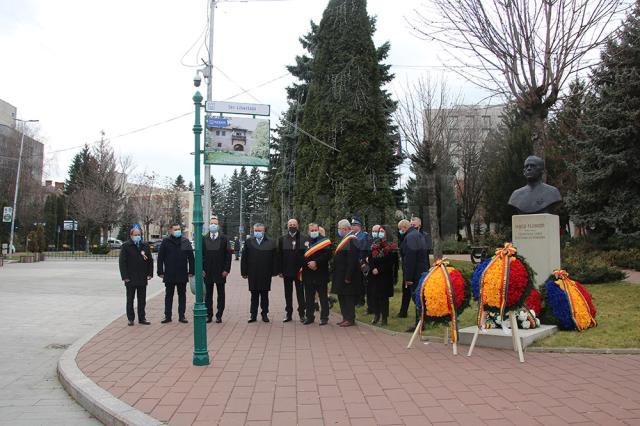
x: 200, y: 353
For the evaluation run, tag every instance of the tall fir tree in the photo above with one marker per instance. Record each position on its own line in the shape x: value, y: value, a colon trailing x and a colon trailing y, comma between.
x: 345, y: 109
x: 607, y: 195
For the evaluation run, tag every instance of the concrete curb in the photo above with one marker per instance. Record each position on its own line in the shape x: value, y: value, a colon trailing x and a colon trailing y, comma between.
x: 97, y: 401
x: 603, y: 351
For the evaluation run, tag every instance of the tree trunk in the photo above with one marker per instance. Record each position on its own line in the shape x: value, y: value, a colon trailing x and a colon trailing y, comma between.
x: 432, y: 209
x: 468, y: 230
x: 538, y: 136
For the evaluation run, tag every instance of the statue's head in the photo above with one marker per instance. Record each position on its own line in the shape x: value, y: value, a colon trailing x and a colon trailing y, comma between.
x: 533, y: 168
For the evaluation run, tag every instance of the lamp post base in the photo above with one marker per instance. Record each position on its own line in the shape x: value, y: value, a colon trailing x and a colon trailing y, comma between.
x: 200, y: 353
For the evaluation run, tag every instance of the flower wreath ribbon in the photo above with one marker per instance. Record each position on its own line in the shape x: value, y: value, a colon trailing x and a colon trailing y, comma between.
x: 504, y: 256
x: 441, y: 265
x: 575, y: 298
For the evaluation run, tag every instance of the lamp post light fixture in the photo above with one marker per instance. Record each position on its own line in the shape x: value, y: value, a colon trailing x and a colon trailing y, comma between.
x: 15, y: 192
x: 200, y: 353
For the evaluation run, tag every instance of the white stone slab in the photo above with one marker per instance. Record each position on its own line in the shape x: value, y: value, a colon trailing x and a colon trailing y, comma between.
x: 537, y: 238
x: 496, y: 338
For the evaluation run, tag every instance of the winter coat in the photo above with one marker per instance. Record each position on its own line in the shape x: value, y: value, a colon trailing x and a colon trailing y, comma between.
x: 346, y: 267
x: 415, y: 255
x: 387, y: 276
x: 259, y: 263
x: 175, y: 260
x: 322, y: 259
x: 216, y: 258
x: 133, y: 265
x: 289, y: 255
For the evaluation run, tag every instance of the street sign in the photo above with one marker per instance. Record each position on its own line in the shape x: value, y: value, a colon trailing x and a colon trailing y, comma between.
x: 70, y: 225
x: 238, y: 108
x: 7, y: 214
x: 217, y: 122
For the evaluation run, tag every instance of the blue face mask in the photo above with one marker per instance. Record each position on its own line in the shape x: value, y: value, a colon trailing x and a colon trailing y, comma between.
x: 213, y: 227
x: 258, y: 235
x: 340, y: 232
x: 177, y: 234
x: 137, y: 239
x: 314, y: 234
x: 375, y: 235
x: 381, y: 234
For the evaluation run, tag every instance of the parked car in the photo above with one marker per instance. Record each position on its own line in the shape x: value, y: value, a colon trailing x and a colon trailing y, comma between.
x: 114, y: 243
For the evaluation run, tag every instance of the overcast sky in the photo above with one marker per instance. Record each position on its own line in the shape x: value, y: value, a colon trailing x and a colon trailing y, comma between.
x: 85, y: 66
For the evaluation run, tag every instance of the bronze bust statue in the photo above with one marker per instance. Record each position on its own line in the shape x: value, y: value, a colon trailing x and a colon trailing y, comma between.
x: 536, y: 196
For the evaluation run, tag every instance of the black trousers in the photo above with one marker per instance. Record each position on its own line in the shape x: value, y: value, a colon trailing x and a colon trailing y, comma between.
x: 261, y: 297
x: 371, y: 299
x: 208, y: 299
x: 142, y: 302
x: 406, y: 299
x: 380, y: 303
x: 348, y: 306
x: 311, y: 287
x: 168, y: 298
x: 288, y: 296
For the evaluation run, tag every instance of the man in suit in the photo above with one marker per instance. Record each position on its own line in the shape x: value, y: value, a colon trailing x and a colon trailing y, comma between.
x: 289, y: 264
x: 363, y: 241
x: 415, y: 258
x: 216, y: 265
x: 136, y: 269
x: 176, y: 264
x: 315, y: 274
x: 416, y: 222
x: 347, y: 276
x: 258, y: 264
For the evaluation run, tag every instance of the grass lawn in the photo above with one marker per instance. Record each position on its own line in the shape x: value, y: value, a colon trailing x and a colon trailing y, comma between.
x: 618, y: 306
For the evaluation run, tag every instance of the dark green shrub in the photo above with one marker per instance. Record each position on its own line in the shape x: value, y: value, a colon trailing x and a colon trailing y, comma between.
x: 100, y: 249
x: 626, y: 259
x: 591, y: 269
x: 455, y: 247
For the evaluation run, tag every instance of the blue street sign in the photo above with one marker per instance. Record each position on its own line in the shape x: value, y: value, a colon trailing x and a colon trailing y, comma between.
x: 217, y: 122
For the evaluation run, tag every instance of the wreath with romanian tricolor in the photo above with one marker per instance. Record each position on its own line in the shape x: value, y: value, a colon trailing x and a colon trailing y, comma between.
x: 570, y: 303
x: 442, y: 295
x: 382, y: 248
x: 502, y: 283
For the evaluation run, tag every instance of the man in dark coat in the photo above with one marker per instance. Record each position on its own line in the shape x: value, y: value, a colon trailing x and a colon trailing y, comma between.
x: 136, y: 269
x: 415, y: 257
x: 364, y: 245
x: 416, y: 222
x: 259, y: 264
x: 315, y: 274
x: 347, y: 276
x: 289, y: 264
x: 216, y: 265
x: 175, y: 264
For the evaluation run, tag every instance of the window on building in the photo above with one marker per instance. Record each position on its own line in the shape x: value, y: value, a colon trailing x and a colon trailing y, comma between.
x: 219, y: 145
x: 224, y: 133
x: 217, y: 132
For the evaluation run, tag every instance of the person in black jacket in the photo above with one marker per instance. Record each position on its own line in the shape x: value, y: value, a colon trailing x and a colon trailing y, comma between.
x: 216, y: 265
x: 259, y: 264
x: 415, y: 258
x: 175, y: 265
x: 289, y: 264
x: 347, y: 275
x: 315, y: 274
x: 383, y: 273
x: 136, y: 269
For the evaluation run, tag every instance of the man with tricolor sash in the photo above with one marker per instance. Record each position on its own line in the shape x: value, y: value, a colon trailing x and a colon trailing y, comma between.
x: 315, y: 274
x: 346, y: 273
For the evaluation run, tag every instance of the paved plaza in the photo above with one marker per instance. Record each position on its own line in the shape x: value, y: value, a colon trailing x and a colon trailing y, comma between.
x: 45, y: 307
x: 287, y: 374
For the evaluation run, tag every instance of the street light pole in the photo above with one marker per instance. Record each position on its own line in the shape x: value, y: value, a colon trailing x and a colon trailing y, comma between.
x: 15, y: 193
x: 200, y: 353
x: 207, y: 167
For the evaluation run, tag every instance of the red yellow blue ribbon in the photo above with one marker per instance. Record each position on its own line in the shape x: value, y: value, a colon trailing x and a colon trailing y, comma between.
x: 571, y: 290
x: 503, y: 255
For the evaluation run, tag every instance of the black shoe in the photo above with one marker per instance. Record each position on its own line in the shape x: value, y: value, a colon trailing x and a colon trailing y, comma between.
x: 251, y: 320
x: 144, y: 322
x: 209, y: 320
x: 302, y: 319
x: 401, y: 315
x: 166, y: 320
x: 130, y: 323
x: 183, y: 320
x: 309, y: 321
x: 384, y: 321
x: 375, y: 319
x: 218, y: 320
x: 287, y: 318
x: 265, y: 318
x: 324, y: 322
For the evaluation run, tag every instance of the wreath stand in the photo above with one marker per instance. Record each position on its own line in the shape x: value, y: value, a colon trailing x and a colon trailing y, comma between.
x: 515, y: 335
x: 416, y: 333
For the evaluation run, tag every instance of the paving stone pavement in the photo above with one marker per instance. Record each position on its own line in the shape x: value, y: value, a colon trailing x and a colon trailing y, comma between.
x: 46, y: 306
x: 287, y: 374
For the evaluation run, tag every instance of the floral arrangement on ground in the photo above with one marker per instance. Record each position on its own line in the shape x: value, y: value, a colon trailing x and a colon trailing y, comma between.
x: 570, y: 303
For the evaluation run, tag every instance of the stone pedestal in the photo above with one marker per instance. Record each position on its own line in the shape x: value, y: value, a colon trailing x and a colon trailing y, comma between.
x: 537, y: 238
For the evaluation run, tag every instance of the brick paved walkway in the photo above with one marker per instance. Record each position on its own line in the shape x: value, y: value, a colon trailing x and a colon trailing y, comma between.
x: 287, y: 374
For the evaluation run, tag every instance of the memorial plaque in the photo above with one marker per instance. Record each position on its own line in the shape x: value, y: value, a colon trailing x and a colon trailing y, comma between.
x: 537, y: 238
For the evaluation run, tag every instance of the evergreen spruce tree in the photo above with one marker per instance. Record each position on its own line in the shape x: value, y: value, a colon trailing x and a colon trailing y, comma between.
x: 607, y: 195
x: 79, y: 168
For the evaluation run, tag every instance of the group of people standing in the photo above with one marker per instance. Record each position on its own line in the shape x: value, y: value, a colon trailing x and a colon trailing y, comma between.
x: 360, y: 266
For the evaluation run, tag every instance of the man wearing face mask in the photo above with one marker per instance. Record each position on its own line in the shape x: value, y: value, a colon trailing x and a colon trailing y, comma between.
x: 258, y: 264
x: 216, y: 264
x: 315, y: 273
x: 289, y: 264
x: 347, y: 276
x: 175, y: 264
x: 383, y: 275
x: 415, y: 260
x: 136, y: 269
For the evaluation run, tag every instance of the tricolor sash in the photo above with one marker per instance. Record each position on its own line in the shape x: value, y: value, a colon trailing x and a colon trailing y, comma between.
x: 577, y: 303
x: 343, y: 243
x: 319, y: 245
